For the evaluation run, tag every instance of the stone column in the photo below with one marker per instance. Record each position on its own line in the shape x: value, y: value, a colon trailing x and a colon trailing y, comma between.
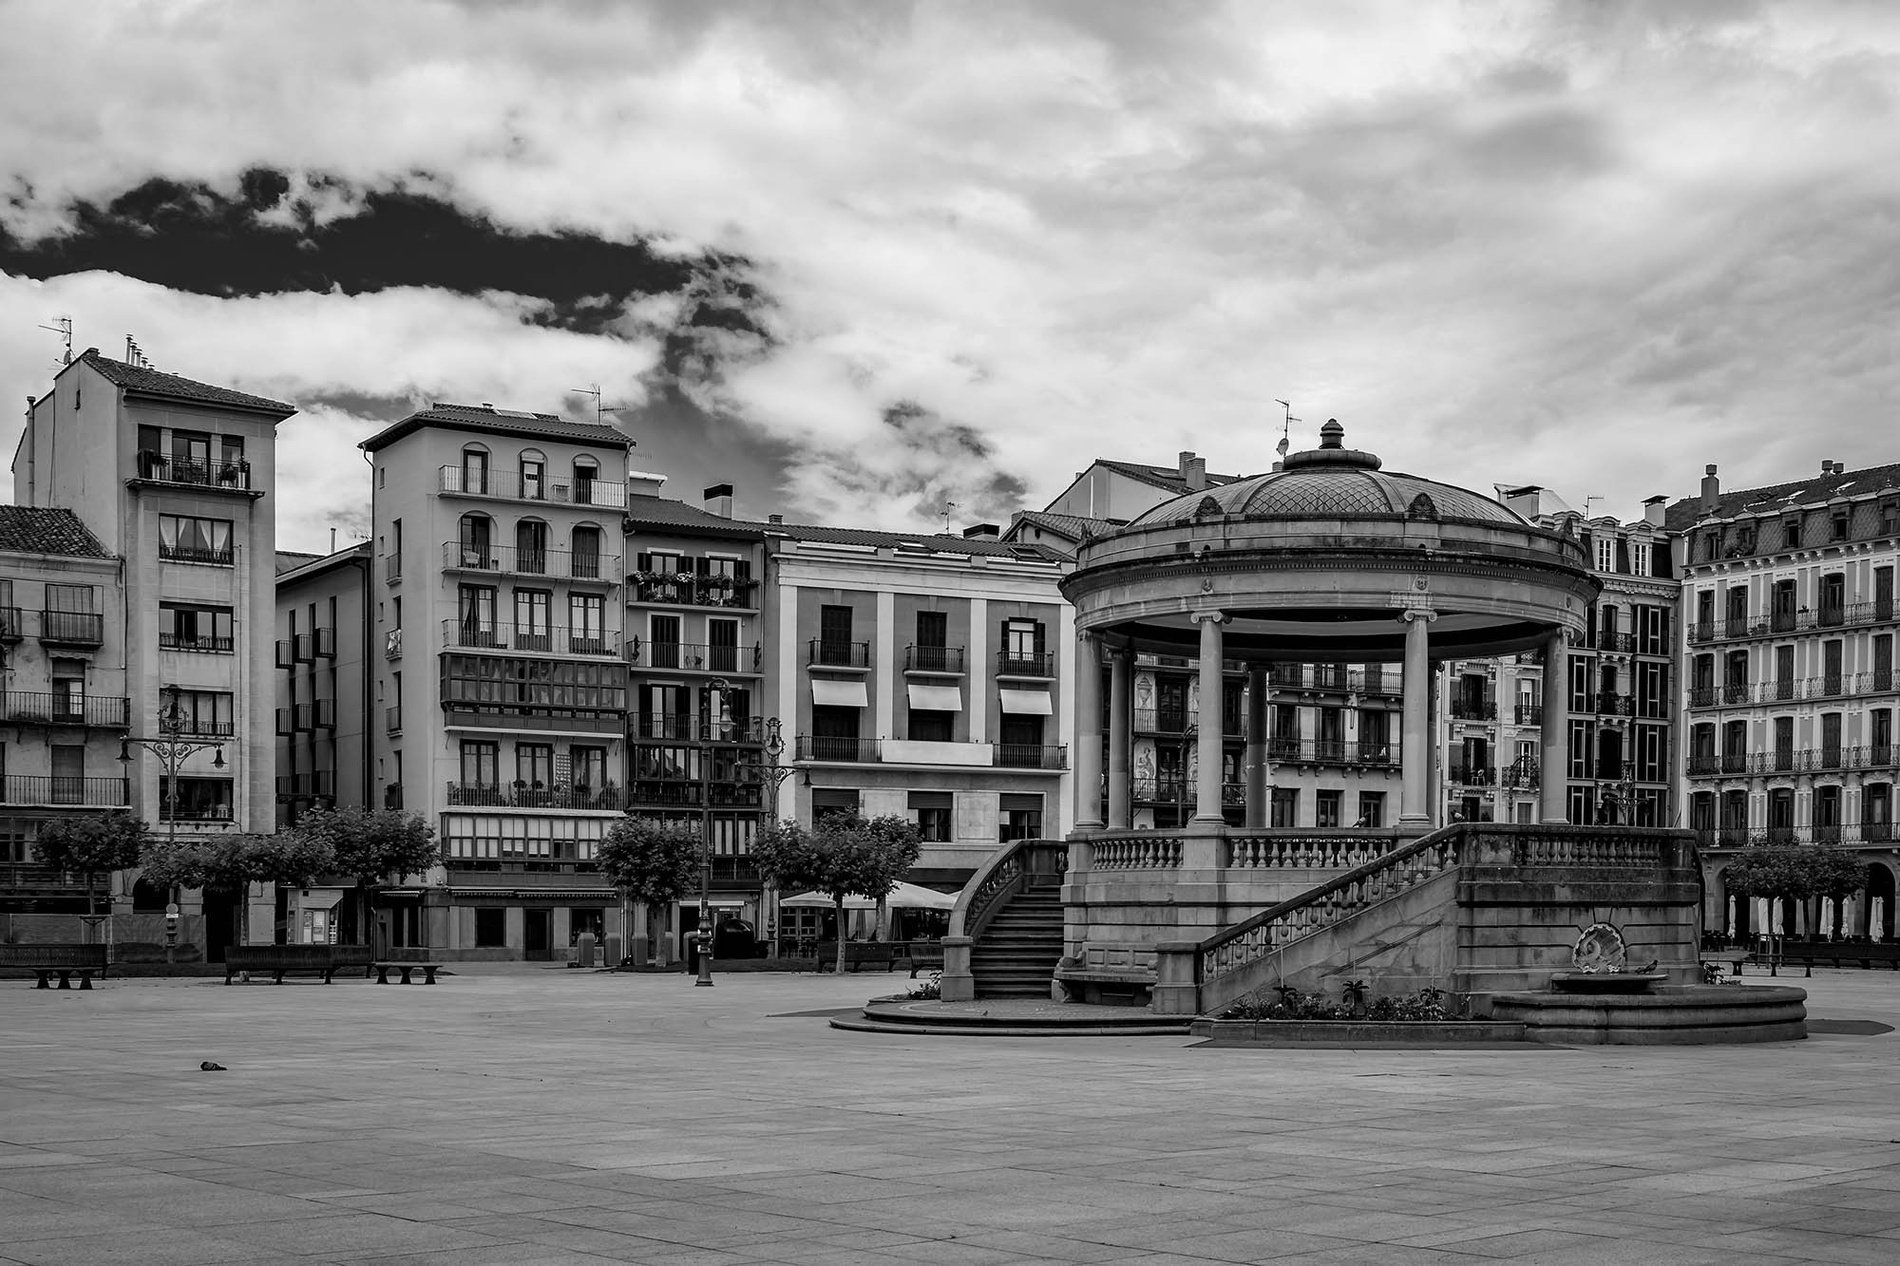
x: 1553, y: 778
x: 1259, y: 769
x: 1121, y: 665
x: 1415, y: 740
x: 1208, y: 747
x: 1088, y: 732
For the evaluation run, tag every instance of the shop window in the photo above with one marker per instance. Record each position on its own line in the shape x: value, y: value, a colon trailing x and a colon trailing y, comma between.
x: 491, y: 929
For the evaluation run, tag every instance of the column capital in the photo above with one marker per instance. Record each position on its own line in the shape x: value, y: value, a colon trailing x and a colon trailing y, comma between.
x: 1215, y: 617
x: 1417, y: 613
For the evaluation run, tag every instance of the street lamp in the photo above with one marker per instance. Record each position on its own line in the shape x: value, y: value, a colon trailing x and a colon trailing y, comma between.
x: 172, y: 749
x: 720, y: 727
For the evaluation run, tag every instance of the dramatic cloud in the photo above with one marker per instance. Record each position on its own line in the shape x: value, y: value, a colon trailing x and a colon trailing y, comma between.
x: 867, y: 258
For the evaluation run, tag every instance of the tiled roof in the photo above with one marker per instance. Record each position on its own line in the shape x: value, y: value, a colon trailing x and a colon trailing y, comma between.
x: 663, y: 512
x: 1816, y: 490
x: 1071, y: 528
x: 151, y: 382
x: 487, y: 418
x: 289, y: 560
x: 1167, y: 477
x: 45, y: 530
x: 938, y: 543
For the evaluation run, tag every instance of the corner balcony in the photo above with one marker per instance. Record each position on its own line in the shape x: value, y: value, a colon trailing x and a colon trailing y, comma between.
x: 211, y: 476
x: 547, y: 564
x: 533, y: 639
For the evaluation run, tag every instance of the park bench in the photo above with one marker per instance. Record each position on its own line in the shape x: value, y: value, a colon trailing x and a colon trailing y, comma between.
x: 858, y: 954
x: 922, y: 954
x: 1130, y: 986
x: 382, y: 970
x: 64, y: 960
x: 321, y: 960
x: 1805, y: 954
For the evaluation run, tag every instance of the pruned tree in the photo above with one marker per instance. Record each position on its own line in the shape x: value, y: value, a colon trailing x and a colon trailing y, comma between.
x: 369, y: 846
x: 91, y: 846
x: 839, y: 856
x: 1797, y: 872
x: 652, y: 861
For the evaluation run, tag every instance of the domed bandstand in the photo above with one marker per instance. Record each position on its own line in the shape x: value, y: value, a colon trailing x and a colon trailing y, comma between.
x: 1329, y: 560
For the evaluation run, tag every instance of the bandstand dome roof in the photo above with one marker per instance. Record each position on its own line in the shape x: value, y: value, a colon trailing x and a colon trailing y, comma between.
x: 1320, y: 560
x: 1332, y: 482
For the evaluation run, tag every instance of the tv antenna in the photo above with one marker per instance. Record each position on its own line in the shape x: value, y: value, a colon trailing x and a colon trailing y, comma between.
x: 63, y: 326
x: 601, y: 410
x: 948, y: 506
x: 1286, y: 428
x: 1586, y: 503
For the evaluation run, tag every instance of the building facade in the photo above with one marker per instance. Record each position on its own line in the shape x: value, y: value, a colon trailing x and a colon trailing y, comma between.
x: 1790, y: 701
x: 500, y: 694
x: 177, y: 478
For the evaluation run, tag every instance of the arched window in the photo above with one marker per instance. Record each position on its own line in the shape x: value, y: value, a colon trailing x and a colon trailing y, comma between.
x: 534, y: 475
x: 531, y: 546
x: 586, y: 471
x: 586, y: 558
x: 478, y: 541
x: 475, y: 469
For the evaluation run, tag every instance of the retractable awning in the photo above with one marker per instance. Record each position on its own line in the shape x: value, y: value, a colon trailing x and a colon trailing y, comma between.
x: 829, y: 693
x: 936, y: 698
x: 1027, y: 702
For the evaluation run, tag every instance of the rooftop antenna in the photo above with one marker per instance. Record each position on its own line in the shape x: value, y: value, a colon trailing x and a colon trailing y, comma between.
x: 63, y: 326
x: 1586, y: 503
x: 1286, y: 428
x: 948, y: 506
x: 602, y: 410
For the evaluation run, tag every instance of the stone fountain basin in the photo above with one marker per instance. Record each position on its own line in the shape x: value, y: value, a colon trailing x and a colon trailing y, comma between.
x: 1674, y: 1015
x: 1606, y: 981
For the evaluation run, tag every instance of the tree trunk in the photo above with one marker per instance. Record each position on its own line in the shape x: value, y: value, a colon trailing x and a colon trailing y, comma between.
x: 837, y: 899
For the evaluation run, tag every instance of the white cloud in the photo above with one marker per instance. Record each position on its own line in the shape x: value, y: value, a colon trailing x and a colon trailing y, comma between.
x: 1551, y: 243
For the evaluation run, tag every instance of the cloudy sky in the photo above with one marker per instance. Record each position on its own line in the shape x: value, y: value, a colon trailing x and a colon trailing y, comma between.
x: 863, y: 259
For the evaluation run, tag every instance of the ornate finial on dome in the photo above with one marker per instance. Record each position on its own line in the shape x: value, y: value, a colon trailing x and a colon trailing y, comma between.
x: 1332, y: 451
x: 1332, y: 435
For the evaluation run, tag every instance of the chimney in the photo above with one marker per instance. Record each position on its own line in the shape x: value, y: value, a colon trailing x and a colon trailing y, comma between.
x: 1654, y: 510
x: 1193, y: 471
x: 719, y: 500
x: 1526, y: 501
x: 1711, y: 489
x: 776, y: 520
x: 982, y: 530
x: 1827, y: 465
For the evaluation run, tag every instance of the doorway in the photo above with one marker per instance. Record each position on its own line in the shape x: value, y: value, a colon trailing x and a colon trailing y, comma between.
x: 537, y: 935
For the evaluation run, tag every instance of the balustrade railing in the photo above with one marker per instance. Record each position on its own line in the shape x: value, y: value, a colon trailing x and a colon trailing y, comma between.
x: 1334, y: 850
x: 1148, y: 850
x: 1008, y: 871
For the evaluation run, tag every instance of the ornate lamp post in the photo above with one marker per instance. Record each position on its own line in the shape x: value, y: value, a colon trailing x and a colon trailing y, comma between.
x: 172, y: 749
x: 768, y: 772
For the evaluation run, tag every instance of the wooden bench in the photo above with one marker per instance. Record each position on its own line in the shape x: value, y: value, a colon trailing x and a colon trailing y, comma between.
x: 1806, y: 954
x: 858, y: 954
x: 63, y: 959
x: 428, y: 971
x: 924, y: 954
x: 321, y: 960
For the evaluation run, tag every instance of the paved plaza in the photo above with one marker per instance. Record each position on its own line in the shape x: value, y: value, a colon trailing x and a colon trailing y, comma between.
x: 532, y: 1114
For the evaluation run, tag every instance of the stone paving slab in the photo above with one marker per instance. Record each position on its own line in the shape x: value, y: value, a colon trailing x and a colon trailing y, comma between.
x: 518, y: 1113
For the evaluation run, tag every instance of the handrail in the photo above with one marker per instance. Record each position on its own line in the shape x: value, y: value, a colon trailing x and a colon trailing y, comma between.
x: 1005, y: 873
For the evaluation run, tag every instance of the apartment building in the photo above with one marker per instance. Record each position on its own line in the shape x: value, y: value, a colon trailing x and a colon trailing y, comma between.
x: 699, y: 747
x: 1788, y: 607
x: 63, y: 710
x: 177, y: 478
x: 927, y: 677
x: 500, y: 683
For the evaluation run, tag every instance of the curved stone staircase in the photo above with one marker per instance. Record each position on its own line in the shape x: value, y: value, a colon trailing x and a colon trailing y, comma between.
x: 1021, y: 944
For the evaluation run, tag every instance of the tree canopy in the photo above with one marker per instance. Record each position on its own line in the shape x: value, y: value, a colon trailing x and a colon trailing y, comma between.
x: 90, y: 846
x: 838, y: 856
x: 652, y: 860
x: 370, y: 845
x: 1796, y: 871
x: 229, y: 862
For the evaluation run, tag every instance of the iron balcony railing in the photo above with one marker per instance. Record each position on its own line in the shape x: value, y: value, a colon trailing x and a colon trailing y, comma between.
x: 1179, y: 790
x: 1032, y: 755
x: 682, y: 793
x: 1529, y: 714
x: 543, y: 639
x: 1711, y: 764
x: 1470, y: 775
x: 1623, y: 642
x: 508, y: 560
x: 687, y: 728
x: 1520, y: 775
x: 31, y: 789
x: 830, y: 654
x: 1025, y: 663
x: 933, y: 659
x: 1474, y: 709
x: 1612, y: 705
x: 1765, y: 624
x: 710, y: 657
x: 848, y: 750
x: 1827, y: 686
x: 1330, y: 752
x: 208, y: 474
x: 1881, y: 833
x: 196, y: 642
x: 1330, y: 677
x: 196, y: 554
x: 317, y: 782
x: 45, y: 708
x: 688, y: 589
x: 1370, y: 681
x: 514, y: 485
x: 1163, y: 720
x: 523, y: 795
x: 73, y: 628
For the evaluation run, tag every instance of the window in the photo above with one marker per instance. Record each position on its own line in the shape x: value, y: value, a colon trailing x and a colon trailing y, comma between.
x: 1023, y: 647
x: 191, y: 456
x: 932, y: 811
x: 199, y: 800
x: 1834, y: 598
x: 834, y: 635
x: 722, y: 645
x: 188, y: 539
x: 1371, y: 810
x: 207, y: 712
x: 933, y: 629
x: 1606, y: 551
x: 491, y: 928
x: 1639, y: 558
x: 1021, y: 817
x: 531, y: 546
x: 191, y: 627
x: 534, y: 475
x: 586, y: 624
x: 1285, y: 809
x: 534, y: 765
x: 1837, y: 523
x: 585, y: 559
x: 930, y: 726
x: 663, y: 632
x: 1791, y: 531
x: 69, y: 689
x: 69, y: 773
x: 588, y: 767
x: 476, y: 608
x: 475, y: 470
x: 532, y: 630
x: 1326, y: 809
x: 586, y: 471
x: 481, y: 763
x: 833, y: 802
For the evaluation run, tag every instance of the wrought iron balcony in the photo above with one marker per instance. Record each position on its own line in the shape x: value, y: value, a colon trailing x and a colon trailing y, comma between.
x: 538, y: 639
x: 933, y: 659
x: 526, y: 796
x: 73, y: 628
x: 688, y: 589
x: 43, y: 708
x: 30, y: 789
x: 1032, y: 755
x: 1474, y: 709
x: 545, y: 487
x: 161, y: 468
x: 827, y: 748
x: 551, y: 564
x: 1529, y: 714
x: 1025, y: 664
x: 708, y: 657
x: 829, y: 654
